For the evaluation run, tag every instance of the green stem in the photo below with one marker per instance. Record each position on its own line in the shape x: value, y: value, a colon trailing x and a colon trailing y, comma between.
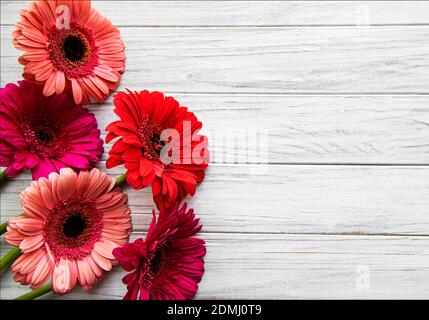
x: 121, y: 181
x: 3, y: 228
x: 36, y: 293
x: 3, y: 177
x: 9, y: 257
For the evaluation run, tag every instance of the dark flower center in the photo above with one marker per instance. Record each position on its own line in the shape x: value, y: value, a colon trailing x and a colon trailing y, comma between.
x: 157, y: 260
x: 42, y: 138
x: 45, y: 135
x: 149, y: 133
x: 74, y: 226
x: 74, y: 48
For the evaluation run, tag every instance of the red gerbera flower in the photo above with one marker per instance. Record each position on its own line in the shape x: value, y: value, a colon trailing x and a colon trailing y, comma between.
x: 70, y: 47
x: 158, y: 145
x: 168, y: 265
x: 45, y: 134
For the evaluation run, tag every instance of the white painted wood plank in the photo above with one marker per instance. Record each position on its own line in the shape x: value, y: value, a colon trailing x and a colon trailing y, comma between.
x: 293, y: 267
x: 287, y: 199
x: 292, y: 199
x: 307, y: 129
x: 271, y: 60
x: 254, y: 13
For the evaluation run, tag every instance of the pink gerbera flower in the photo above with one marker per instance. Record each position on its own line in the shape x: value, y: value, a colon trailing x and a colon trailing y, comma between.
x: 45, y: 134
x: 70, y: 226
x: 168, y: 264
x: 69, y: 46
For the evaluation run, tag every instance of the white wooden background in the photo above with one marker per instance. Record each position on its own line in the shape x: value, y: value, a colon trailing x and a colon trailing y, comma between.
x: 340, y: 89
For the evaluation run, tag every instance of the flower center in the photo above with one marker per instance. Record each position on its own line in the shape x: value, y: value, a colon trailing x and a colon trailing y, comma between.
x: 149, y: 134
x: 73, y: 50
x: 42, y: 138
x: 45, y: 135
x: 157, y: 260
x: 72, y: 228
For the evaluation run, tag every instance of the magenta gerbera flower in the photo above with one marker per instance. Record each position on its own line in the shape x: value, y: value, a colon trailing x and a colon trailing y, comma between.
x: 45, y: 134
x: 168, y: 264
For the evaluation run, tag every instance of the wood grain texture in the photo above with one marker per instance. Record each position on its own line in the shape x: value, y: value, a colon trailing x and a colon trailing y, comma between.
x: 293, y: 267
x: 307, y: 129
x: 269, y: 60
x: 293, y: 199
x: 340, y: 89
x: 250, y: 13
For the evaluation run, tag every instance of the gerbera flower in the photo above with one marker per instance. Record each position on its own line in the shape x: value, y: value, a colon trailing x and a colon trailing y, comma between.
x: 145, y: 118
x: 45, y: 134
x: 70, y: 226
x: 168, y: 265
x: 70, y: 47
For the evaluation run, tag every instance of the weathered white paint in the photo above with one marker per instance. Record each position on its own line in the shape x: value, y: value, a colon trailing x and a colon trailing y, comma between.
x: 250, y: 13
x: 345, y: 109
x: 308, y: 129
x: 293, y: 199
x: 269, y: 60
x: 295, y: 267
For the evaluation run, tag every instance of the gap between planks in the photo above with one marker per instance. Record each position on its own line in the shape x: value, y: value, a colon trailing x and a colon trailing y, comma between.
x: 327, y: 234
x: 117, y: 171
x: 290, y: 93
x: 226, y: 26
x: 255, y: 13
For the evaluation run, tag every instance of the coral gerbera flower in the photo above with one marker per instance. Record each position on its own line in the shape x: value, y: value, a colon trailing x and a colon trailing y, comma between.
x: 70, y: 226
x: 158, y: 145
x: 168, y: 265
x: 45, y: 134
x: 70, y: 47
